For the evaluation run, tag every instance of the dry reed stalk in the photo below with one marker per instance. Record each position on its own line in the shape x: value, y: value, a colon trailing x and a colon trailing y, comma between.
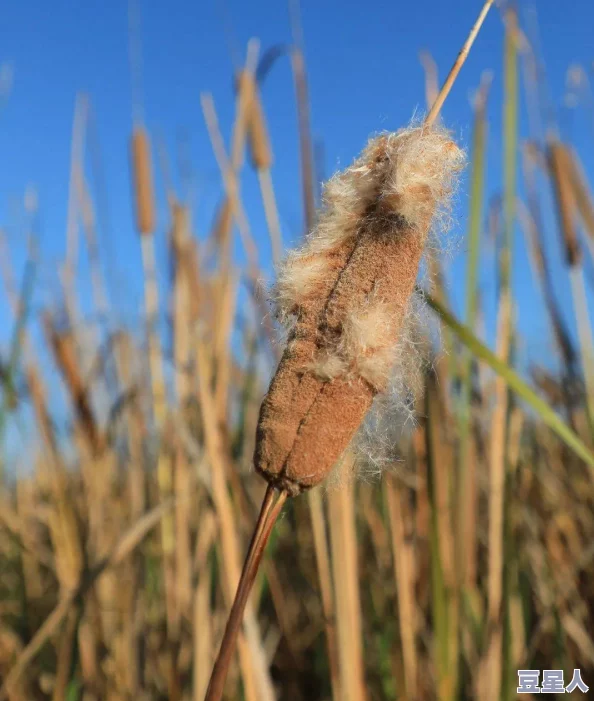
x: 458, y: 63
x: 89, y: 339
x: 85, y: 205
x: 135, y: 424
x: 145, y: 218
x: 65, y: 653
x: 403, y: 550
x: 446, y: 364
x: 445, y: 589
x: 64, y: 350
x: 341, y: 518
x: 261, y: 153
x: 466, y: 482
x: 305, y: 147
x: 222, y: 344
x: 159, y: 410
x: 257, y: 684
x: 471, y: 512
x: 63, y: 522
x: 515, y: 603
x: 34, y: 553
x: 326, y: 589
x: 135, y: 430
x: 230, y: 181
x: 222, y: 231
x: 559, y: 162
x: 183, y: 478
x: 442, y: 479
x: 378, y: 530
x: 237, y: 211
x: 423, y: 506
x: 532, y: 226
x: 243, y: 104
x: 497, y: 472
x: 202, y: 626
x: 97, y: 470
x: 582, y: 194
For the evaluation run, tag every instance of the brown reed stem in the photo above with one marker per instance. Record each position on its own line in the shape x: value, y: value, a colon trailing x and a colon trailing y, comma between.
x: 269, y: 513
x: 458, y: 63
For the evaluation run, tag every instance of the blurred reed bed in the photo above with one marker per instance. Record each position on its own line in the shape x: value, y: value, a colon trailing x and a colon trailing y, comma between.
x: 120, y: 551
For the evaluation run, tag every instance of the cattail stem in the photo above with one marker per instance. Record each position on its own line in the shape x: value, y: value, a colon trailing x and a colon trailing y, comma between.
x: 269, y: 513
x: 348, y: 262
x: 458, y: 63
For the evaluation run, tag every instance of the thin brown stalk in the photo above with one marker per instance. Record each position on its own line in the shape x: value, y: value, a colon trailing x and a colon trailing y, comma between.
x: 202, y: 617
x: 269, y: 513
x: 458, y: 63
x: 531, y: 221
x: 159, y: 411
x: 403, y: 554
x: 271, y: 213
x: 65, y: 652
x: 582, y: 194
x: 222, y: 230
x: 561, y: 173
x: 230, y: 179
x: 64, y: 349
x: 497, y: 471
x: 325, y: 581
x: 305, y: 148
x: 261, y: 153
x: 135, y: 430
x: 184, y: 376
x: 256, y: 680
x: 346, y: 588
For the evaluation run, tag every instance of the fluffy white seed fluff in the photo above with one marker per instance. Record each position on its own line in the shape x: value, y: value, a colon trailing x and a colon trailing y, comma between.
x: 414, y: 168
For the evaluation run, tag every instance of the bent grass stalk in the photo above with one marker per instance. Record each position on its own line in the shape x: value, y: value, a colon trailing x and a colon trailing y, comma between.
x: 546, y: 414
x: 314, y: 410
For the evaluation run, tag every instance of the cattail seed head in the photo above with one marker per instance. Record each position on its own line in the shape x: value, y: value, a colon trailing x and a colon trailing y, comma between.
x: 559, y: 161
x: 257, y: 132
x: 143, y: 181
x: 344, y: 296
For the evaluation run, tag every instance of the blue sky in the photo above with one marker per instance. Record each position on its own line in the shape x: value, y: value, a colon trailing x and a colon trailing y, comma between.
x: 364, y: 76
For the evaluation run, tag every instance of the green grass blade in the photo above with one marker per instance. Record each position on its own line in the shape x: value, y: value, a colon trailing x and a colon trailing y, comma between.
x: 549, y: 417
x: 477, y: 184
x: 510, y: 141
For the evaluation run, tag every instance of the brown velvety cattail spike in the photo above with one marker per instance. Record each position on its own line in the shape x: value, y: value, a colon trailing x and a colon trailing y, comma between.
x: 560, y: 168
x: 344, y: 296
x: 143, y: 181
